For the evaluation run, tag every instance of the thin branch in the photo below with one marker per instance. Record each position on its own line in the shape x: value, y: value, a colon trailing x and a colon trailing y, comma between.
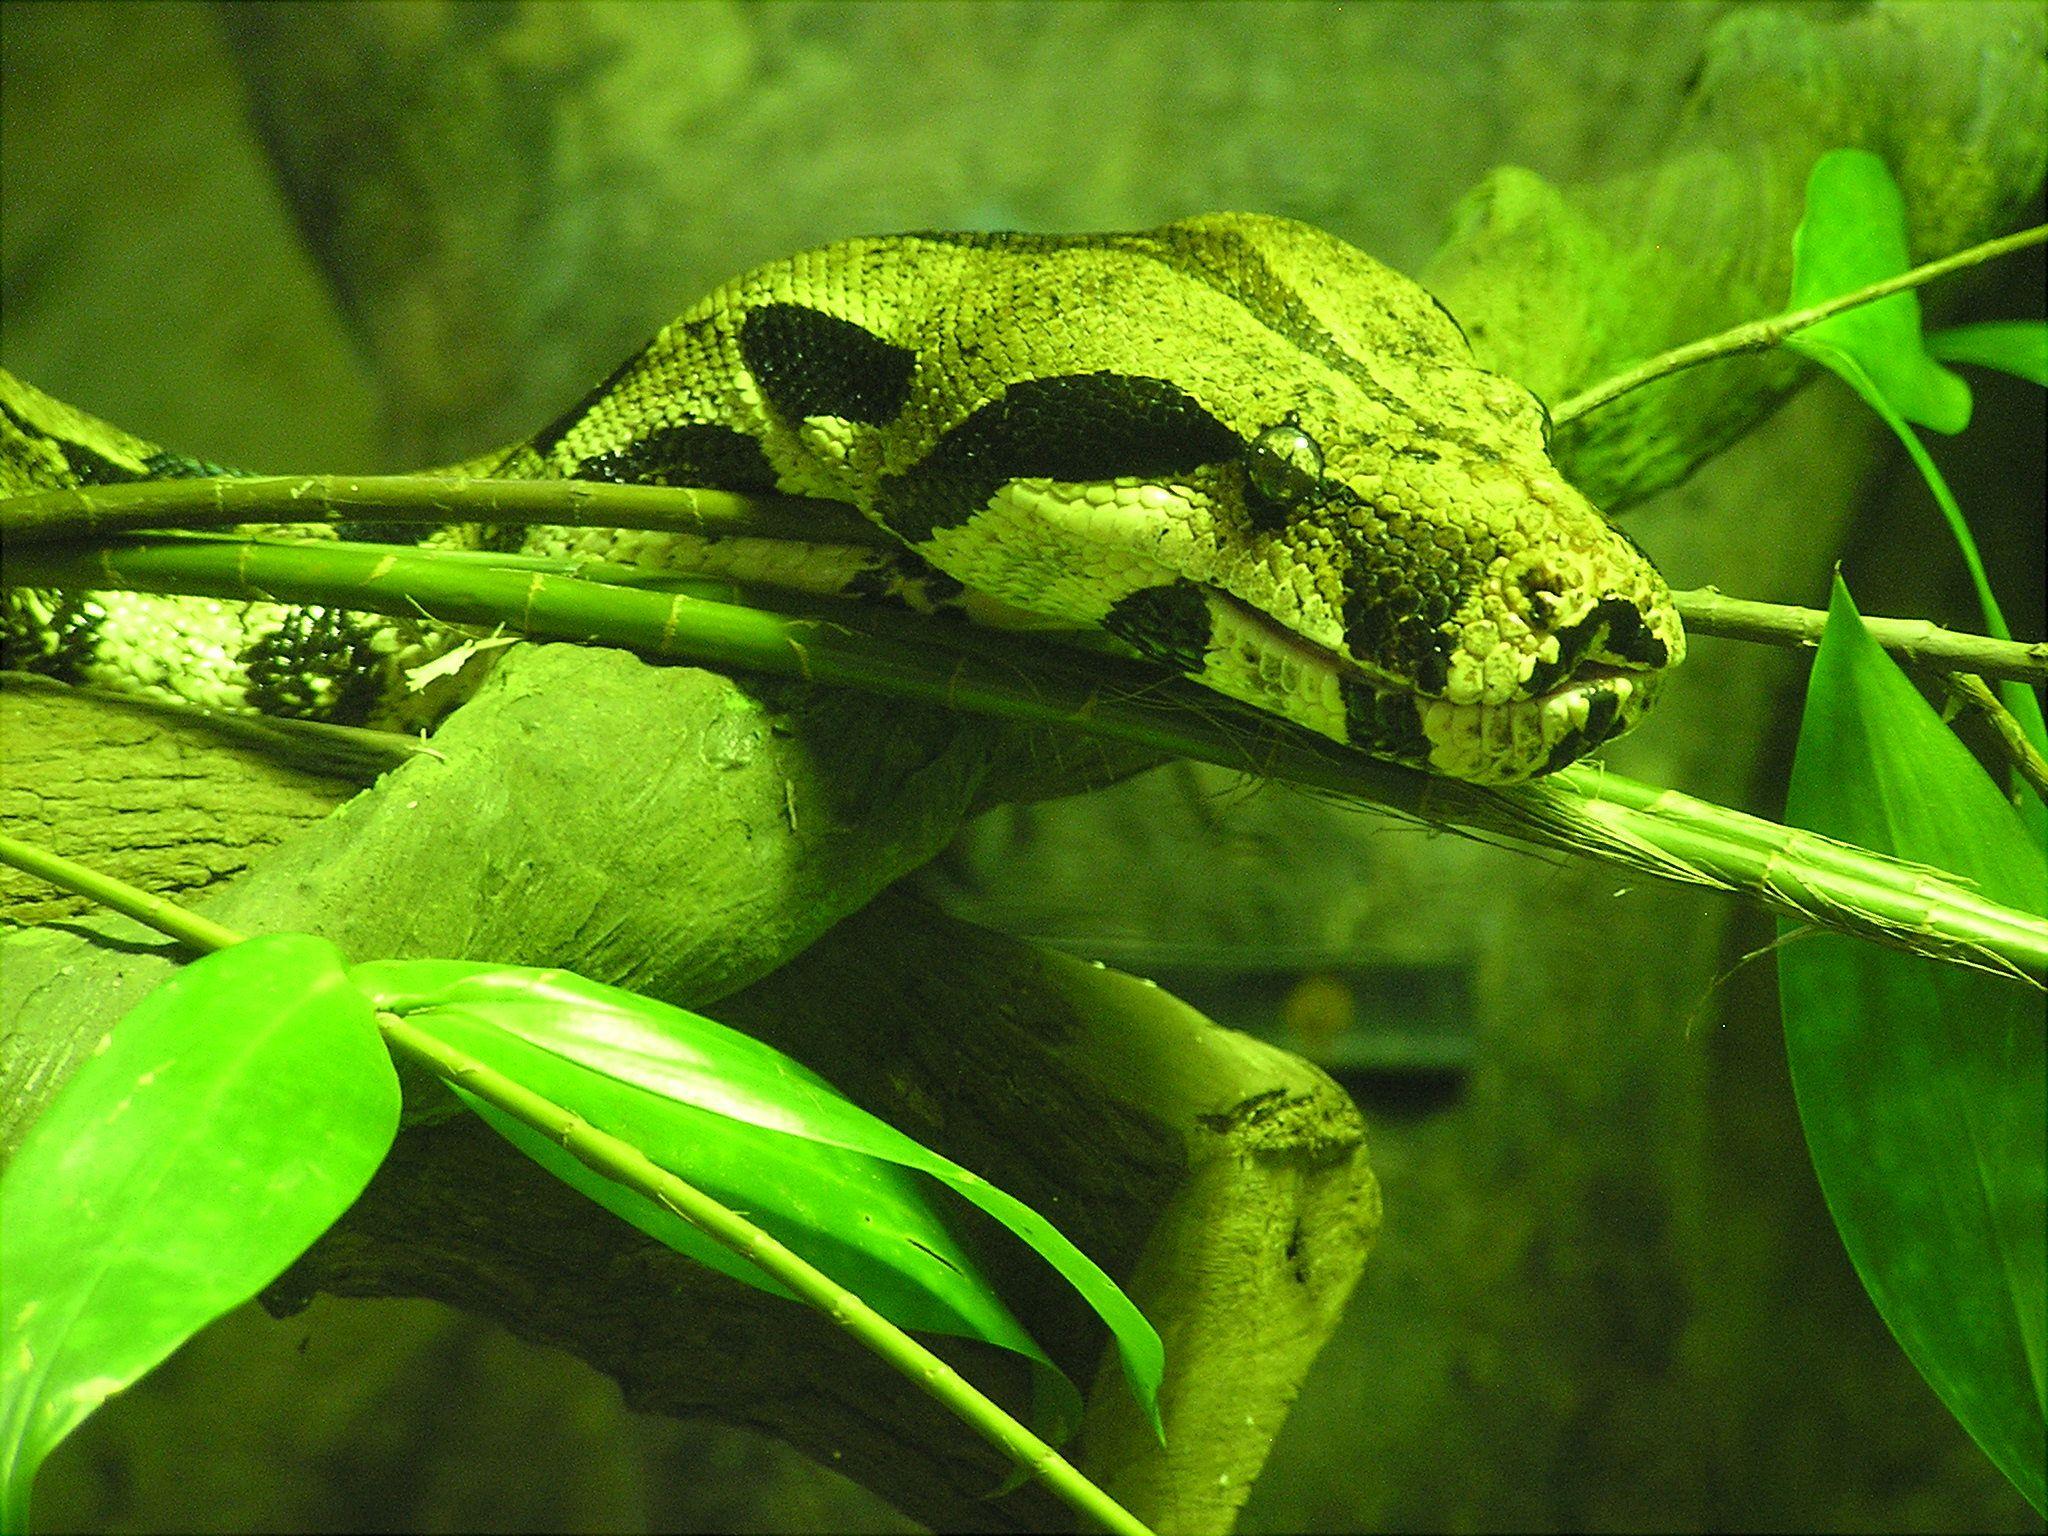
x: 166, y: 917
x: 1969, y: 691
x: 1762, y: 335
x: 629, y: 1167
x: 93, y: 512
x: 1583, y: 810
x: 350, y: 750
x: 1915, y: 642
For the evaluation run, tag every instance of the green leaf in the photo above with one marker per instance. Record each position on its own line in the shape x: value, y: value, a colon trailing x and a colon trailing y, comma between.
x: 939, y: 1287
x: 2013, y: 346
x: 694, y: 1089
x: 2018, y: 697
x: 862, y: 1222
x: 1854, y: 234
x: 222, y: 1127
x: 1921, y: 1085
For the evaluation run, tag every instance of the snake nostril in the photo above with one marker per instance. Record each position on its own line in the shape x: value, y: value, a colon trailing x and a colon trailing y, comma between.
x: 1542, y: 592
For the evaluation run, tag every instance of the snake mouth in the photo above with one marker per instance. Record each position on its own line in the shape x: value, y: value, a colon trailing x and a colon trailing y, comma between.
x: 1500, y: 742
x: 1520, y: 739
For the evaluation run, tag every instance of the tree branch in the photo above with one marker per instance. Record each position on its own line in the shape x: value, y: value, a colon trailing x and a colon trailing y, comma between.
x: 1915, y: 642
x: 93, y: 512
x: 1180, y: 1155
x: 1968, y: 690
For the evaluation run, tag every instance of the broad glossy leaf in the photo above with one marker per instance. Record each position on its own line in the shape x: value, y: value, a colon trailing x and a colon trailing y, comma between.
x: 2018, y: 697
x: 2018, y: 347
x: 1921, y: 1085
x: 222, y: 1127
x: 863, y: 1222
x: 1854, y: 234
x: 920, y: 1295
x: 695, y: 1067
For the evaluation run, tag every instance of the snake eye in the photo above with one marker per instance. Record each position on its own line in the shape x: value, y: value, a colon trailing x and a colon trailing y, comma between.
x: 1283, y: 468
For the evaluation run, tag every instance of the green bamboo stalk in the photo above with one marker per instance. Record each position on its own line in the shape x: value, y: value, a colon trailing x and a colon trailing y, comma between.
x: 93, y: 512
x: 1808, y: 877
x: 90, y: 514
x: 1584, y: 810
x: 167, y: 917
x: 1918, y: 643
x: 1966, y: 690
x: 626, y: 1165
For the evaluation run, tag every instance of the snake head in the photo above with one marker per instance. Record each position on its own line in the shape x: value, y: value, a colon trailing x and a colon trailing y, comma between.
x: 1258, y: 455
x: 1396, y: 561
x: 1465, y: 609
x: 1517, y: 626
x: 1422, y: 583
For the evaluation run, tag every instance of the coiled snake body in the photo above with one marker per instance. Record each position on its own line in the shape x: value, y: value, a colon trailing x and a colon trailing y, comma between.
x: 1235, y: 442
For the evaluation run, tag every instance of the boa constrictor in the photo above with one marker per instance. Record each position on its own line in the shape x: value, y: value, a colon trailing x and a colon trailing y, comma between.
x: 1235, y: 442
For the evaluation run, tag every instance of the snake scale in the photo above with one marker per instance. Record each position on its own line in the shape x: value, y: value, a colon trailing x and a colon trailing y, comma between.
x: 1235, y: 442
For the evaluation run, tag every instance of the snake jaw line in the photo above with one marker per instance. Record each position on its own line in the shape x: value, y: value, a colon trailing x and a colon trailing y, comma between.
x: 1501, y: 741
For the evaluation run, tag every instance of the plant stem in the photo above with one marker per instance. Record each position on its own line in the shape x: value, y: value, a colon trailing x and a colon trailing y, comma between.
x: 1803, y: 875
x: 1583, y: 810
x: 95, y: 511
x: 1762, y: 335
x: 167, y: 917
x: 1915, y: 642
x: 627, y: 1165
x: 1969, y: 691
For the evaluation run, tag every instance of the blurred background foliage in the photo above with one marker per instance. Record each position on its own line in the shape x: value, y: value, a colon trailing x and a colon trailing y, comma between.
x: 1607, y: 1296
